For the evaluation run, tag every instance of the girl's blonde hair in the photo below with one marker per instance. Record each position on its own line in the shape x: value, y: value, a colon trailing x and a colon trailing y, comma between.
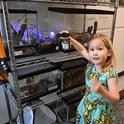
x: 108, y: 45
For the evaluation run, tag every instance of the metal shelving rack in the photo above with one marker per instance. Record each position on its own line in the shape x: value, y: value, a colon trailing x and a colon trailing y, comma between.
x: 12, y: 58
x: 114, y: 4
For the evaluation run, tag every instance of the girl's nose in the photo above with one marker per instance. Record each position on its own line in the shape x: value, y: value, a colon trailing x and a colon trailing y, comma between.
x: 95, y: 52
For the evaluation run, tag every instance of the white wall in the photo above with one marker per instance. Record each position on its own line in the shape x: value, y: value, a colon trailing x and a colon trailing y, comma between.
x: 119, y: 44
x: 119, y: 39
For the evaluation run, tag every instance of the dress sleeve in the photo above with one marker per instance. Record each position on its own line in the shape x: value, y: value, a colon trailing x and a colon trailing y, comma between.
x: 112, y: 73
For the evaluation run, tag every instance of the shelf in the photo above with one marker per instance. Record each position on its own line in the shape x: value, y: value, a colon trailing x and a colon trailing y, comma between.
x: 78, y: 2
x: 21, y: 11
x: 34, y: 69
x: 79, y: 11
x: 75, y: 2
x: 59, y: 57
x: 31, y: 72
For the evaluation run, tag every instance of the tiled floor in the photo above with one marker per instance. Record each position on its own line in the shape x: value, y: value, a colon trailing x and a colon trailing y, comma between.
x: 120, y: 112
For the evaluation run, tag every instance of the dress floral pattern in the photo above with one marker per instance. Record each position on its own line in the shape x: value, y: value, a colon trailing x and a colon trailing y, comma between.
x: 94, y: 108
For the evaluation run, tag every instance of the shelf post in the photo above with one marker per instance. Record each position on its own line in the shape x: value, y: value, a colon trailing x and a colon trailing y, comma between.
x: 12, y: 58
x: 114, y: 21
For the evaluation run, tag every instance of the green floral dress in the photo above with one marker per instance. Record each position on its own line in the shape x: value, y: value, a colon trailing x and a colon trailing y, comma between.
x: 94, y: 108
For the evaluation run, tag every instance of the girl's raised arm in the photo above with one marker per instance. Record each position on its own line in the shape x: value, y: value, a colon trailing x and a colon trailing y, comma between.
x: 79, y: 47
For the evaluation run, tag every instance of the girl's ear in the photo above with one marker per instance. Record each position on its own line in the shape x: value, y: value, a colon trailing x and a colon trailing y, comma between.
x: 109, y: 52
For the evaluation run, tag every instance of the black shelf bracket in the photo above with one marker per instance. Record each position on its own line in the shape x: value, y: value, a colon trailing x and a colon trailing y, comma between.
x: 20, y: 11
x: 79, y: 11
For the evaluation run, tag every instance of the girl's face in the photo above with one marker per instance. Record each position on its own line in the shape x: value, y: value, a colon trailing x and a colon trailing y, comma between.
x: 98, y: 52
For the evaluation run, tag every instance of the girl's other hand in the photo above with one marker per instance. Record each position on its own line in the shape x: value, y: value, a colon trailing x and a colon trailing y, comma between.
x: 95, y: 85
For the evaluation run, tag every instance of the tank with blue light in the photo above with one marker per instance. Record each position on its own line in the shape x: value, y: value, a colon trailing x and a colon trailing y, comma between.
x: 53, y: 35
x: 24, y: 35
x: 47, y: 36
x: 48, y: 42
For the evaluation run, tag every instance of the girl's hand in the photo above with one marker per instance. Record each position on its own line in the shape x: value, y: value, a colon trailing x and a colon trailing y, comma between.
x: 95, y: 85
x: 63, y: 34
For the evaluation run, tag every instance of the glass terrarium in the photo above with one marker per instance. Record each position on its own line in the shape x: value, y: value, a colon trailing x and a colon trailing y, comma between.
x: 24, y: 27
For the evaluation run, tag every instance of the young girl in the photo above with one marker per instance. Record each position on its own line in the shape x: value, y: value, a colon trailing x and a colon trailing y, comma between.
x: 97, y: 105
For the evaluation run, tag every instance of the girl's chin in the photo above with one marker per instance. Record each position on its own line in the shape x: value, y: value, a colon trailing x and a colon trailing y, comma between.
x: 96, y: 62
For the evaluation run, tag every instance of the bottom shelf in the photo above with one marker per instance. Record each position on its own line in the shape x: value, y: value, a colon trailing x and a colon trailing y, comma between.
x: 65, y: 108
x: 55, y: 107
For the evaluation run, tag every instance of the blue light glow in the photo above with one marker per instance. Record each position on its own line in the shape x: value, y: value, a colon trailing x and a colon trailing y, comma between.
x: 52, y: 35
